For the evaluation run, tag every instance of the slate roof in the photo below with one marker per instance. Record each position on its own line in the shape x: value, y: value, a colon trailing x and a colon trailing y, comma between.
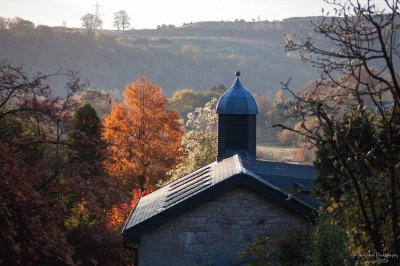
x: 287, y: 184
x: 237, y: 100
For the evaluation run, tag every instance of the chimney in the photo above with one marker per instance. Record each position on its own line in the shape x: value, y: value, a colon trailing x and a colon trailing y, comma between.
x: 237, y: 112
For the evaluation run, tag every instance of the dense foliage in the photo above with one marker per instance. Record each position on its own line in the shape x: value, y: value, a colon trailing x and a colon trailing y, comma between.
x: 352, y: 116
x: 33, y: 124
x: 328, y: 245
x: 289, y: 248
x: 199, y: 144
x: 186, y: 101
x: 85, y: 145
x: 67, y: 184
x: 59, y: 205
x: 144, y: 136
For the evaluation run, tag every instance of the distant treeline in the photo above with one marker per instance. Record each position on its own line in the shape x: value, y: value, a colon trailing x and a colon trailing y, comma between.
x: 196, y: 55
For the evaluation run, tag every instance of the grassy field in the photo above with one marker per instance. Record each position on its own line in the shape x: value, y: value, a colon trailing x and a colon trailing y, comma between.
x: 276, y: 153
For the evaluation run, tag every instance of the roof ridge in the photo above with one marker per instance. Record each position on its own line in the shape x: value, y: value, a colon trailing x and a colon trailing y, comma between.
x: 258, y: 178
x: 238, y: 164
x: 250, y: 173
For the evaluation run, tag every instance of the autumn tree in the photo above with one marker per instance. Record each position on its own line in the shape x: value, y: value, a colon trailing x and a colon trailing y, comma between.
x: 91, y: 22
x: 30, y: 224
x: 28, y: 101
x: 33, y: 126
x: 84, y: 176
x: 88, y: 190
x: 144, y: 136
x: 199, y: 144
x: 358, y: 144
x: 121, y: 20
x: 53, y: 207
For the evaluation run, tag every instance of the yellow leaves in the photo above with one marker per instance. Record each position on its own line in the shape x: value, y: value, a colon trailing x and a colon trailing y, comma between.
x: 80, y: 215
x: 333, y: 205
x: 329, y: 209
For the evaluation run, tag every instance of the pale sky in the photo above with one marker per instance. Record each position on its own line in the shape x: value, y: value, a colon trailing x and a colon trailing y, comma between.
x: 150, y: 13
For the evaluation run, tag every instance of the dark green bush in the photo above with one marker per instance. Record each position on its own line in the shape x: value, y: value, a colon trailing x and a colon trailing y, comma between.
x: 328, y: 245
x: 289, y: 249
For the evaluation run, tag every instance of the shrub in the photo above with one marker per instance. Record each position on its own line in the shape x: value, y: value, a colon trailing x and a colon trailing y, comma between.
x: 288, y: 249
x: 328, y: 245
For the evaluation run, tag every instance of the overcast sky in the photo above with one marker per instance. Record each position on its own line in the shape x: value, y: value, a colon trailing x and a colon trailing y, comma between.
x: 150, y: 13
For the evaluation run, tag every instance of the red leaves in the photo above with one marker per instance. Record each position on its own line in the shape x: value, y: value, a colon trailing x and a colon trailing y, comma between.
x: 32, y: 124
x: 30, y: 226
x: 53, y: 208
x: 116, y: 218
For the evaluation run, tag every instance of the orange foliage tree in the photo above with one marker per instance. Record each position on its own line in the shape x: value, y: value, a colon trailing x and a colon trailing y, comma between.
x: 144, y: 136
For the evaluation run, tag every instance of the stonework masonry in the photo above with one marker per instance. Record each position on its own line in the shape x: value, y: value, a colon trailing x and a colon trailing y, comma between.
x: 216, y: 232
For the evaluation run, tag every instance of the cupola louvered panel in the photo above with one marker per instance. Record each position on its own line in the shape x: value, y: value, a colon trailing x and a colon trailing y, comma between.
x: 237, y: 126
x: 236, y: 134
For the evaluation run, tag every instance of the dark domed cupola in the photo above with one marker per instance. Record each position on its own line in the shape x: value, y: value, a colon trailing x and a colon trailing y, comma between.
x: 237, y: 112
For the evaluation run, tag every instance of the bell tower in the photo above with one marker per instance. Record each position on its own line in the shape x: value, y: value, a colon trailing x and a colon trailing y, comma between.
x: 237, y: 112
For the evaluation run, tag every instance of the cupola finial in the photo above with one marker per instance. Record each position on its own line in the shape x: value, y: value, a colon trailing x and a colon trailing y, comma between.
x: 237, y: 73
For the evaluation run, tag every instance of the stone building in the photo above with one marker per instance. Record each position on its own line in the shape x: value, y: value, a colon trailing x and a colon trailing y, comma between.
x: 208, y: 217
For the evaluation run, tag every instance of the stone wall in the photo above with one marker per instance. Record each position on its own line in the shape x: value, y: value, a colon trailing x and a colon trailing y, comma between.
x: 216, y: 232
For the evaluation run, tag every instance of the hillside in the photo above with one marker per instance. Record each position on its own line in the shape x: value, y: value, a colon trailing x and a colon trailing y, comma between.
x: 198, y: 55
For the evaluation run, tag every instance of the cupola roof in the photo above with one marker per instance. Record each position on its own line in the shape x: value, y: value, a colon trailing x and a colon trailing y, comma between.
x: 237, y: 100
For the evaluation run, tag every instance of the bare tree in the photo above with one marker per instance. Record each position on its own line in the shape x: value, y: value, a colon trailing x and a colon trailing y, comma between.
x: 352, y: 116
x: 91, y: 22
x: 121, y: 20
x: 4, y: 23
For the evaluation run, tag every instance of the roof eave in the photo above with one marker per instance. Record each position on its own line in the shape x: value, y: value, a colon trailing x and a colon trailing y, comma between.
x: 135, y: 231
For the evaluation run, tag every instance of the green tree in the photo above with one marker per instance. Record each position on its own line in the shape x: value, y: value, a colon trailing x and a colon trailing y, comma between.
x: 328, y: 245
x: 187, y: 100
x: 199, y: 144
x: 89, y: 191
x: 353, y: 167
x: 358, y: 159
x: 289, y: 248
x: 85, y: 144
